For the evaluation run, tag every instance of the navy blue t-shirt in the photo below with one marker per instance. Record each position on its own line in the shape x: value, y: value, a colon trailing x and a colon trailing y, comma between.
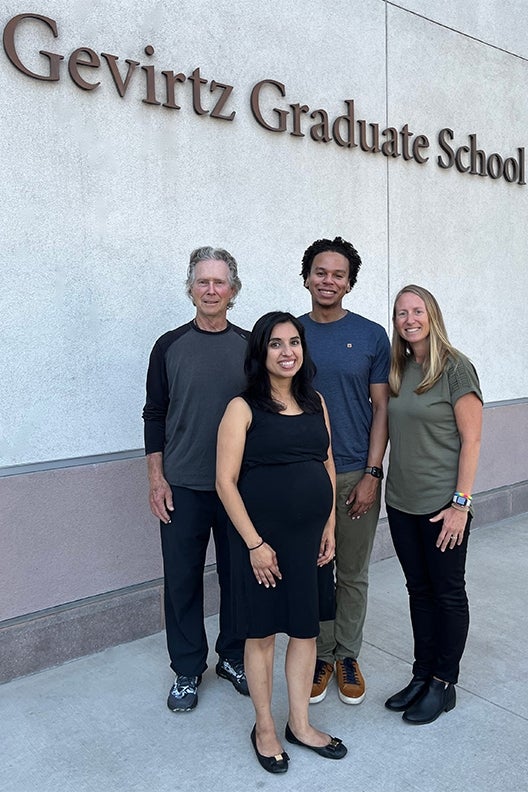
x: 350, y: 354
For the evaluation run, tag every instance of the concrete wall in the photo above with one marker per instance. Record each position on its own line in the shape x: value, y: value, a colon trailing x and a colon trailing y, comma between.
x: 103, y: 197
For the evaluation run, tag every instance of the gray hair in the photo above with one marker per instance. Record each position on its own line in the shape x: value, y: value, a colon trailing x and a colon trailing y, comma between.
x: 206, y: 253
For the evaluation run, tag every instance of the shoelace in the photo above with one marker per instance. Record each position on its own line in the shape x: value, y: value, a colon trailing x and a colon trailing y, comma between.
x: 350, y: 671
x: 319, y: 672
x: 186, y: 685
x: 238, y: 668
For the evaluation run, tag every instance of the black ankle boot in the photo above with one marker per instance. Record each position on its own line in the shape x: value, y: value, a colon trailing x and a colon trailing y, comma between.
x: 404, y: 698
x: 439, y: 697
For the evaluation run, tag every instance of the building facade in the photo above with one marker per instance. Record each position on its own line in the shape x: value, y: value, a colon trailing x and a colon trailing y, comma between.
x: 133, y: 133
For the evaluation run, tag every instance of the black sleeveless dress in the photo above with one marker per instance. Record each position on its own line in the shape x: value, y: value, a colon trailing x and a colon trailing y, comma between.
x: 288, y: 495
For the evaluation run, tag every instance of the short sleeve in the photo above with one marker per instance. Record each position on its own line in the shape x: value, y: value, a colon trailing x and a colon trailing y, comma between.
x: 462, y: 378
x: 380, y: 369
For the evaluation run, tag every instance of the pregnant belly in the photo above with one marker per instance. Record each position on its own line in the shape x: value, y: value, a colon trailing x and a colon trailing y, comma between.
x: 300, y: 493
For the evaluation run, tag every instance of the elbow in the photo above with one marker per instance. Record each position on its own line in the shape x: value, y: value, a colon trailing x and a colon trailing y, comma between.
x: 219, y: 486
x: 471, y: 442
x: 225, y: 486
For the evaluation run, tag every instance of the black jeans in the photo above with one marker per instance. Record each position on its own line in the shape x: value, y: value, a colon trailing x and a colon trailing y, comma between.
x: 437, y: 593
x: 184, y: 545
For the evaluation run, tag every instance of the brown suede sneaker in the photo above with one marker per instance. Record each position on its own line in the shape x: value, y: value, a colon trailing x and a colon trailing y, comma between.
x: 322, y: 675
x: 350, y: 682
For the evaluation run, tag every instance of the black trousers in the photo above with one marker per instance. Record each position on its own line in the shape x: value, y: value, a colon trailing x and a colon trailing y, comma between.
x: 184, y: 545
x: 437, y: 593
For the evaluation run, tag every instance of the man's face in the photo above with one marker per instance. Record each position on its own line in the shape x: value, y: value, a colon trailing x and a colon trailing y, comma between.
x: 211, y: 291
x: 328, y: 281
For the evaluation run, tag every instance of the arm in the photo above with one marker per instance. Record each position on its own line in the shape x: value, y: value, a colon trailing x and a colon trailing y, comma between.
x: 327, y: 548
x: 157, y: 400
x: 230, y: 449
x: 363, y: 495
x: 154, y: 415
x: 160, y: 493
x: 468, y: 417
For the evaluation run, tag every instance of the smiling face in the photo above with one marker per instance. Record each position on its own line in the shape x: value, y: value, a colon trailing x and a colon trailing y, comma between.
x: 285, y: 352
x: 211, y: 290
x: 411, y: 320
x: 328, y: 281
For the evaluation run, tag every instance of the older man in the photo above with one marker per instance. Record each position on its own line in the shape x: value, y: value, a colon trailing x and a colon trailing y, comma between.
x: 352, y: 356
x: 193, y: 373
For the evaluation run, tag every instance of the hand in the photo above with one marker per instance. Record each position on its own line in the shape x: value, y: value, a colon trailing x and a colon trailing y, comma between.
x: 265, y: 566
x: 453, y: 527
x: 160, y: 499
x: 327, y: 546
x: 362, y: 496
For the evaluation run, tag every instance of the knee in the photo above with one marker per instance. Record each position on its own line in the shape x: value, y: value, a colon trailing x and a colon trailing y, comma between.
x: 260, y: 644
x: 420, y: 590
x: 302, y: 643
x: 454, y: 600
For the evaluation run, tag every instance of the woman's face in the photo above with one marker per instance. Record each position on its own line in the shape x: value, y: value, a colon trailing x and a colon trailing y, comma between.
x: 285, y: 352
x: 410, y: 318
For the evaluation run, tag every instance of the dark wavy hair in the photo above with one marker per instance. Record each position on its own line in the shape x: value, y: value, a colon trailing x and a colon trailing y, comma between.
x: 258, y: 385
x: 337, y: 245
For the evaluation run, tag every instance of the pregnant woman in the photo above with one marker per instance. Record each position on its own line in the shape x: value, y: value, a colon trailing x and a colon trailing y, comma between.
x: 276, y: 479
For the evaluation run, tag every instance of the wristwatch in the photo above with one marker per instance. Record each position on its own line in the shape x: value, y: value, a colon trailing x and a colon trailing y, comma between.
x: 461, y: 500
x: 375, y: 471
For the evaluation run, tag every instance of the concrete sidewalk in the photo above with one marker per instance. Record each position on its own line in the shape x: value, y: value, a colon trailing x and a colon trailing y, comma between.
x: 100, y: 724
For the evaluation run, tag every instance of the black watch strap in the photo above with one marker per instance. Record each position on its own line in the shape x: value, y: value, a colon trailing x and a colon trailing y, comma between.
x: 375, y: 471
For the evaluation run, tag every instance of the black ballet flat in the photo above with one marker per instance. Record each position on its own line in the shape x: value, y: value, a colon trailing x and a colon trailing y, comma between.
x: 273, y: 764
x: 334, y: 750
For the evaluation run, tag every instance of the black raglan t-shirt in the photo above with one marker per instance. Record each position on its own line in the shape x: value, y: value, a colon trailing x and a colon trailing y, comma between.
x: 192, y: 375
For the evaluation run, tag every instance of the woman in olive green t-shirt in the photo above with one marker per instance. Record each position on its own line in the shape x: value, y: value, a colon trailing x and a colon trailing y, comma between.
x: 435, y: 417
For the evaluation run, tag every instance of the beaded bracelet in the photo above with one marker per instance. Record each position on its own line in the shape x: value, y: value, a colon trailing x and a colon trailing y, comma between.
x: 256, y: 546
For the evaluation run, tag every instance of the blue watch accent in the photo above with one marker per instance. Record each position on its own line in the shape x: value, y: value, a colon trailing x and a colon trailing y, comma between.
x: 458, y: 500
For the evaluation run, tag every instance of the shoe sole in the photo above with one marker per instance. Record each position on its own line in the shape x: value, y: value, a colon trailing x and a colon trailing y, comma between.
x: 321, y: 696
x: 183, y: 709
x: 351, y: 699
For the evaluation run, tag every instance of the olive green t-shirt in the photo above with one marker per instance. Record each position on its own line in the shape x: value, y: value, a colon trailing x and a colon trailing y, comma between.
x: 424, y: 440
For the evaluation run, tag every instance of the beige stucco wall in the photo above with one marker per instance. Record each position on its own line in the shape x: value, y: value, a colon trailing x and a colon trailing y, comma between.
x: 103, y: 197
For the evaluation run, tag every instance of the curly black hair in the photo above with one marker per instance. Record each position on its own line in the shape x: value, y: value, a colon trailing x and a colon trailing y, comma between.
x: 337, y: 245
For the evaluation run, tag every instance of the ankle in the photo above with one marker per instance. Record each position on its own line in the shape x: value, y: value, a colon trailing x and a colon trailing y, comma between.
x: 265, y: 728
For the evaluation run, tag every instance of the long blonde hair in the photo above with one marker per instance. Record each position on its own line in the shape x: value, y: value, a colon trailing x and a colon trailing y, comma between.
x: 440, y: 348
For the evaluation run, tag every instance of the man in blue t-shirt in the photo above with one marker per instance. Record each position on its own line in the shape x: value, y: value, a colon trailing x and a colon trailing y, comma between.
x: 352, y: 355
